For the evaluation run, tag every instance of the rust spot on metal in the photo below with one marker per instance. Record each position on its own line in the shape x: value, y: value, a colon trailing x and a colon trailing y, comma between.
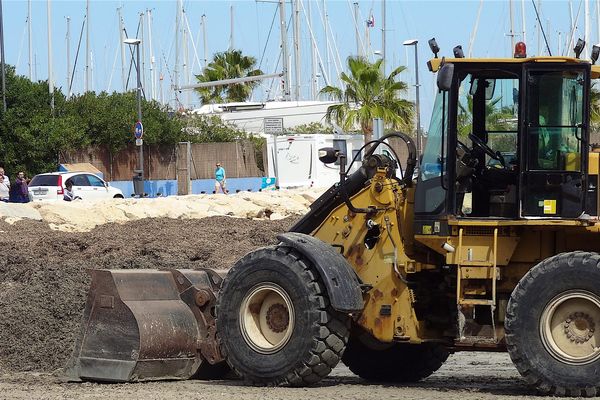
x: 377, y: 294
x: 346, y: 231
x: 395, y: 292
x: 254, y: 308
x: 278, y: 318
x: 362, y: 320
x: 202, y: 297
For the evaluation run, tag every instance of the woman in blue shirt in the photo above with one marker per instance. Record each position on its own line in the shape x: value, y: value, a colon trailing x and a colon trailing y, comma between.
x: 220, y: 179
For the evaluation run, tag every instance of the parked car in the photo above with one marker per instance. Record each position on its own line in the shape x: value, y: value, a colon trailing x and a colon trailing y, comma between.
x: 51, y: 186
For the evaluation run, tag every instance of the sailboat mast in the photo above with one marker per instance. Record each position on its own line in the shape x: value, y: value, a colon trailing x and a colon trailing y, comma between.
x: 177, y: 23
x: 231, y: 25
x: 30, y: 40
x: 383, y: 36
x: 475, y: 28
x: 539, y: 28
x: 367, y: 26
x: 587, y: 27
x: 142, y: 45
x: 50, y: 76
x: 122, y: 44
x: 512, y: 27
x: 356, y: 29
x: 68, y: 55
x: 523, y: 29
x: 327, y: 46
x: 186, y: 73
x: 87, y: 47
x: 284, y: 51
x: 203, y: 22
x: 297, y: 73
x: 313, y: 57
x: 152, y: 69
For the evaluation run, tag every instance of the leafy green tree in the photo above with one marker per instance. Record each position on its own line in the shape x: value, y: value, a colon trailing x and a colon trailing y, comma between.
x: 211, y: 128
x: 228, y: 65
x: 311, y: 128
x: 31, y: 135
x: 366, y: 94
x: 109, y: 119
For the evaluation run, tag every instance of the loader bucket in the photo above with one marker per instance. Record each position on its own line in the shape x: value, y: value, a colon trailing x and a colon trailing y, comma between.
x: 135, y: 327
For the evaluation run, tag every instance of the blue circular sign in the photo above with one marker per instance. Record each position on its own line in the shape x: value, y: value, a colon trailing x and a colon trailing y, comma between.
x: 138, y: 130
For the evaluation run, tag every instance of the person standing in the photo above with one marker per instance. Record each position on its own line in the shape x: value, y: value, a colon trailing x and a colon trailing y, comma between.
x: 19, y: 192
x: 220, y: 179
x: 4, y: 186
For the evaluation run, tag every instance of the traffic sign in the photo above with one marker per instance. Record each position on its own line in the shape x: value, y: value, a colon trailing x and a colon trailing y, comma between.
x: 138, y: 130
x: 139, y: 142
x: 274, y: 126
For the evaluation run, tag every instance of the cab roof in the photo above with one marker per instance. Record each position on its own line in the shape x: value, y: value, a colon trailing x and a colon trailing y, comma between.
x: 435, y: 63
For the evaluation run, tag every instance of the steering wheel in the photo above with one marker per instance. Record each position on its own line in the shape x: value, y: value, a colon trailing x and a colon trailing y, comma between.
x: 486, y: 149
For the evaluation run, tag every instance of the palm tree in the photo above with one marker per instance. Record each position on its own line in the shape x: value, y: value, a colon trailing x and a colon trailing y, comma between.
x: 228, y: 65
x: 368, y: 94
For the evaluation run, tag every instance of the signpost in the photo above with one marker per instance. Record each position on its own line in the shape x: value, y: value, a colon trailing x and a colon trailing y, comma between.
x: 138, y: 130
x: 274, y: 126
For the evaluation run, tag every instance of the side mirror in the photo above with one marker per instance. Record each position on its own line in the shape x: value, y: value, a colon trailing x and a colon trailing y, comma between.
x: 445, y: 77
x: 490, y: 86
x: 328, y: 155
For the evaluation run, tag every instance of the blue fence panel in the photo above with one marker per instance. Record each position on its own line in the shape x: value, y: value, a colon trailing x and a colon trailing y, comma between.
x: 155, y: 188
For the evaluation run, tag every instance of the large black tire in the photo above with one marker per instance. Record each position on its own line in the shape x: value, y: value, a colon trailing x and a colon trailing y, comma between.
x: 394, y: 363
x: 553, y: 321
x: 314, y: 335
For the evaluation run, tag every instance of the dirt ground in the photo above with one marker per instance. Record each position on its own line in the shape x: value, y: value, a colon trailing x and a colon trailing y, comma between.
x: 465, y: 376
x: 44, y: 279
x: 43, y: 283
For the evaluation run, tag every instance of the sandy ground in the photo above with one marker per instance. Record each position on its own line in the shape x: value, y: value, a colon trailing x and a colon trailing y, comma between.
x: 83, y: 216
x: 464, y: 376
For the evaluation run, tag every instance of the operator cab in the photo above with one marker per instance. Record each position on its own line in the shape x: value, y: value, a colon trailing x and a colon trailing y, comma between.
x: 507, y: 140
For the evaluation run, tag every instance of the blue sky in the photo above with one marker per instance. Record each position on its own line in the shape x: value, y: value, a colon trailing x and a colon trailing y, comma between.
x: 451, y: 22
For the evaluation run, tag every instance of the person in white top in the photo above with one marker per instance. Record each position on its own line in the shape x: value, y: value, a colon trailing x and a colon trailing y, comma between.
x: 4, y: 186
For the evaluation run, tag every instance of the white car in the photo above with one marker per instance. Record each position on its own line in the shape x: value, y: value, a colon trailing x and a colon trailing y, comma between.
x: 87, y: 186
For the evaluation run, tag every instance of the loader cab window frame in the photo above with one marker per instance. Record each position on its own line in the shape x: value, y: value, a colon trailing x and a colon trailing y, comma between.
x: 431, y: 194
x: 556, y: 122
x: 487, y: 141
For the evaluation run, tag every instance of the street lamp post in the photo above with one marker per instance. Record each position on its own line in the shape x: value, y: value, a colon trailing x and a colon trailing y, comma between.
x: 136, y: 42
x: 414, y: 42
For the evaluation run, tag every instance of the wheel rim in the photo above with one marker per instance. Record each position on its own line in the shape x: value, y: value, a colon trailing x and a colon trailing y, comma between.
x: 267, y: 318
x: 570, y: 329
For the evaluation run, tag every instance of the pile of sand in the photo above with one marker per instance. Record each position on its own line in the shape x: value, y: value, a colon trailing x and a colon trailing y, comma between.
x: 82, y: 216
x: 44, y: 279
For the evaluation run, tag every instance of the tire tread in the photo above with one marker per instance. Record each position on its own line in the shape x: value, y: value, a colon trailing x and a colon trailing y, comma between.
x: 527, y: 370
x: 331, y: 326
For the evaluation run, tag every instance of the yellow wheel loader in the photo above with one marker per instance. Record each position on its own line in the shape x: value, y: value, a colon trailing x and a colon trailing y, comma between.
x: 487, y: 242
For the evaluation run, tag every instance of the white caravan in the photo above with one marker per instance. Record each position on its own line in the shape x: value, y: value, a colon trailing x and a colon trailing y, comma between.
x: 298, y: 162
